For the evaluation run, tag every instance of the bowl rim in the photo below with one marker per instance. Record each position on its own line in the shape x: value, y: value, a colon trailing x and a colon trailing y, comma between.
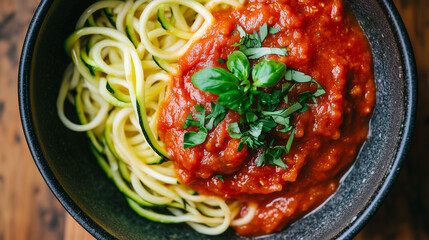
x: 408, y: 121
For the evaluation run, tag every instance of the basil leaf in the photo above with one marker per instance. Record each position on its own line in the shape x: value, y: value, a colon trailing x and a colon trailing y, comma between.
x: 270, y: 101
x: 246, y: 103
x: 214, y: 80
x: 201, y: 114
x: 273, y: 30
x: 267, y: 73
x: 192, y: 139
x: 255, y: 53
x: 279, y: 162
x: 241, y: 31
x: 268, y: 124
x: 234, y: 130
x: 284, y: 112
x: 304, y: 107
x: 290, y: 140
x: 304, y: 96
x: 320, y: 90
x: 263, y: 32
x: 297, y: 76
x: 251, y: 117
x: 256, y: 130
x: 300, y: 77
x: 281, y: 120
x: 190, y: 122
x: 215, y: 117
x: 232, y: 99
x: 239, y: 65
x: 261, y: 160
x: 220, y: 60
x: 286, y: 129
x: 256, y: 38
x: 220, y: 177
x: 200, y: 108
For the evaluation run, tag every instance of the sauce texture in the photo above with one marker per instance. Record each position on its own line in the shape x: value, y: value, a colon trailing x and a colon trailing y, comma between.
x: 323, y: 40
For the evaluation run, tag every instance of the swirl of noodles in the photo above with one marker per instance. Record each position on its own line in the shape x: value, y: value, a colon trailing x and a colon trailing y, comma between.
x: 123, y: 60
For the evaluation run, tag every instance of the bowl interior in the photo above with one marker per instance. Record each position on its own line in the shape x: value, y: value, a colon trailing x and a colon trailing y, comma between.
x: 76, y: 179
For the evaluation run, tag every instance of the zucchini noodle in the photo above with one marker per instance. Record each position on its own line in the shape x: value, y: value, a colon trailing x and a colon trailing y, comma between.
x: 124, y: 56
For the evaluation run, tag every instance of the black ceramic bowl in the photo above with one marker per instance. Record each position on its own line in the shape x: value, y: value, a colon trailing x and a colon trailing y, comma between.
x: 64, y: 159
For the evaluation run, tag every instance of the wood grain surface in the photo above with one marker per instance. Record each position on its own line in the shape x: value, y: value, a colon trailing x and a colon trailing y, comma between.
x: 28, y: 209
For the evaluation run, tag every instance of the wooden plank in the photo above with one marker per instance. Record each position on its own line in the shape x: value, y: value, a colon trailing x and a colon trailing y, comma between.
x: 405, y: 212
x: 28, y: 209
x: 75, y: 231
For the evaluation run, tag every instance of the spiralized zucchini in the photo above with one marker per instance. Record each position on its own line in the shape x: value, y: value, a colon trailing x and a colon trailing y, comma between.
x: 124, y: 55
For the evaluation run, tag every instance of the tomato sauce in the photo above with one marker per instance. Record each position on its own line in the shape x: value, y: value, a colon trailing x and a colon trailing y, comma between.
x: 323, y: 40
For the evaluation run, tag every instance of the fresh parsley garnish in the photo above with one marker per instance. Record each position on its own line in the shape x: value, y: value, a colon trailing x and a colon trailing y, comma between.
x: 235, y: 90
x: 220, y: 178
x: 239, y: 89
x: 220, y: 60
x: 214, y: 117
x: 251, y: 44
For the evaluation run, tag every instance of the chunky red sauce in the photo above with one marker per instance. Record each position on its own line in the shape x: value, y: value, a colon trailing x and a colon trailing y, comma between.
x: 325, y: 41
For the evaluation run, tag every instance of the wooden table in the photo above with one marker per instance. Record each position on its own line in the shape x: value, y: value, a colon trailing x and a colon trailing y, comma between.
x: 28, y: 210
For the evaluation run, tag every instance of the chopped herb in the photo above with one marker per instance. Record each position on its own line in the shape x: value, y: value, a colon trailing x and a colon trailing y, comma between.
x: 239, y: 65
x: 255, y: 53
x: 220, y: 178
x: 267, y: 73
x: 214, y: 117
x: 192, y: 139
x: 190, y: 122
x: 251, y: 44
x: 239, y: 89
x: 220, y: 60
x: 300, y: 77
x: 215, y: 80
x: 274, y: 30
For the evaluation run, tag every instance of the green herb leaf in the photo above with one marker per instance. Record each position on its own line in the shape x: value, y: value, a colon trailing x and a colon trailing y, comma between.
x: 216, y: 116
x: 255, y: 53
x: 286, y: 112
x: 220, y: 178
x: 268, y: 124
x: 201, y: 114
x: 190, y: 122
x: 233, y: 99
x: 251, y: 44
x: 220, y: 60
x: 251, y: 117
x: 320, y: 90
x: 241, y: 31
x: 261, y: 160
x: 304, y: 96
x: 267, y: 73
x: 237, y: 92
x: 256, y: 130
x: 274, y: 30
x: 239, y: 65
x: 300, y: 77
x: 214, y: 80
x: 263, y: 32
x: 297, y: 76
x: 192, y: 139
x: 272, y: 155
x: 290, y: 140
x: 279, y: 162
x: 234, y: 130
